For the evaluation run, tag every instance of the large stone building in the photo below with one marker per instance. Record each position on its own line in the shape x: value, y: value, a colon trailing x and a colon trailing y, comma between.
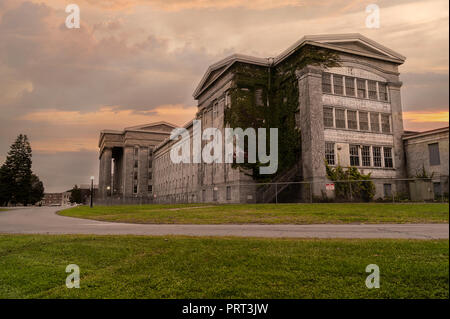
x: 350, y: 115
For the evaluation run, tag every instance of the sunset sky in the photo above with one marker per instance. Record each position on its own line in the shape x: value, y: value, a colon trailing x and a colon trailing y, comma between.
x: 138, y: 61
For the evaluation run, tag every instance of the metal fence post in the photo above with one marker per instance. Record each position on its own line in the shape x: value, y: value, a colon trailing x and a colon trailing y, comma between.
x: 276, y: 193
x: 351, y: 192
x: 310, y: 192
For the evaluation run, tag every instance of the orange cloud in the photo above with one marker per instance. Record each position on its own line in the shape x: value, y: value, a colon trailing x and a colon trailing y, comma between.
x: 175, y: 5
x: 426, y: 117
x: 113, y: 117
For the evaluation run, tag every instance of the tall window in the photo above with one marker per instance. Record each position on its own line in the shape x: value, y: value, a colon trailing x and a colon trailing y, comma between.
x: 340, y: 118
x: 372, y: 90
x: 382, y: 90
x: 376, y: 153
x: 374, y: 122
x: 361, y: 84
x: 433, y: 152
x: 354, y: 155
x: 326, y: 83
x: 328, y: 116
x: 349, y: 86
x: 365, y: 152
x: 352, y: 123
x: 228, y: 192
x: 388, y: 157
x: 329, y: 153
x: 136, y: 151
x: 338, y: 84
x: 363, y: 121
x: 385, y: 124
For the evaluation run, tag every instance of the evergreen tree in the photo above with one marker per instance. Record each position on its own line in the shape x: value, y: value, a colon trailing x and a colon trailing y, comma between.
x: 76, y: 195
x: 16, y: 181
x: 37, y: 190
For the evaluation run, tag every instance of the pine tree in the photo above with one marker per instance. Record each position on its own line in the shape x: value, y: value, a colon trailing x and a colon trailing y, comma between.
x: 16, y: 172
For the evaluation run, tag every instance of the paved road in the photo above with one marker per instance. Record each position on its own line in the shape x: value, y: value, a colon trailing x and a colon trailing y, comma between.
x: 43, y: 220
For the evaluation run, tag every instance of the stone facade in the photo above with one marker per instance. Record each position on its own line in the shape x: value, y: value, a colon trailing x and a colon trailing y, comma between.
x: 126, y: 159
x: 427, y: 156
x: 350, y: 115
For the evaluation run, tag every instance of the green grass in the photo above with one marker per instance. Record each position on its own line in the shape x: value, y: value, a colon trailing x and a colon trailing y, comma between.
x: 33, y: 266
x: 267, y: 213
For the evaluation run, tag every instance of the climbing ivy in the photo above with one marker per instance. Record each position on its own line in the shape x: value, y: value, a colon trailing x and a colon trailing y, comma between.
x: 268, y: 97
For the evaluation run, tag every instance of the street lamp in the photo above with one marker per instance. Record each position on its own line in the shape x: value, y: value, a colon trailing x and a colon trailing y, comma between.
x: 92, y: 191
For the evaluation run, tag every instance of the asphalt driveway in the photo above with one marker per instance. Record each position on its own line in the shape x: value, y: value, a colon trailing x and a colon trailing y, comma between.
x: 44, y: 220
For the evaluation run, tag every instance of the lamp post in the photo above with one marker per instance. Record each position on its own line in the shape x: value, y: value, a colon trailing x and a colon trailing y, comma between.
x: 92, y: 191
x: 108, y: 194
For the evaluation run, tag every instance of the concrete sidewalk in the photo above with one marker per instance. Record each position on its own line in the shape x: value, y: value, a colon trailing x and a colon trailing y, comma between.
x: 44, y: 220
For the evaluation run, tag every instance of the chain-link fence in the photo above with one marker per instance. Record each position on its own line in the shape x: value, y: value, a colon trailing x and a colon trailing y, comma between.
x: 388, y: 190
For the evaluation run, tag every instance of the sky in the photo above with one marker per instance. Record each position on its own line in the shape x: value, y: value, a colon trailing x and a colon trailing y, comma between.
x: 138, y: 61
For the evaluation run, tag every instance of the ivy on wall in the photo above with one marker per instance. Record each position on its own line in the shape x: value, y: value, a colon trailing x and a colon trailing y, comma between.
x: 268, y: 97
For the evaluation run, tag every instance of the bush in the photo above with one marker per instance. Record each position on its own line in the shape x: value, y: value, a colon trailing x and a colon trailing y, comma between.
x: 363, y: 189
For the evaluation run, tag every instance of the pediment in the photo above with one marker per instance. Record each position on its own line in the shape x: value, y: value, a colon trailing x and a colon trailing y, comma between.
x: 360, y: 47
x: 153, y: 127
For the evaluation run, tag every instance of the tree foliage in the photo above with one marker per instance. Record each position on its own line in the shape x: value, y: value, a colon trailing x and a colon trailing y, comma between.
x: 18, y: 184
x: 264, y: 97
x: 362, y: 189
x: 76, y: 195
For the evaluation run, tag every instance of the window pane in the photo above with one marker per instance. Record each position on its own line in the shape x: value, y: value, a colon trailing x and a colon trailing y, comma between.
x: 385, y: 125
x: 328, y: 116
x: 372, y: 90
x: 374, y: 122
x: 361, y: 88
x: 363, y: 121
x: 349, y: 86
x: 365, y: 155
x: 388, y: 157
x: 382, y: 90
x: 354, y: 155
x: 326, y: 83
x: 376, y: 150
x: 329, y: 153
x: 338, y: 82
x: 351, y: 120
x: 340, y: 118
x: 433, y: 150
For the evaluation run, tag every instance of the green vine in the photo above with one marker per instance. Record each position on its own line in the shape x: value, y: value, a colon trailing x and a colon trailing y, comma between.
x: 268, y: 97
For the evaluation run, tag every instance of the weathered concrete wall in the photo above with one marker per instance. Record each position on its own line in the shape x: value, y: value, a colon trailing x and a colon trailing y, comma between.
x: 417, y: 154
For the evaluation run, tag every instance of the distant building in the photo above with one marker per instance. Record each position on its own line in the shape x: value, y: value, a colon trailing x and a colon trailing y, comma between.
x: 56, y: 199
x: 427, y: 154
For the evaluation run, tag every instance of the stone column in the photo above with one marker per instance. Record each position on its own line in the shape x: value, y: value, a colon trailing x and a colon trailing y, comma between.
x: 397, y: 128
x: 127, y: 171
x: 143, y: 171
x: 105, y: 171
x: 312, y: 129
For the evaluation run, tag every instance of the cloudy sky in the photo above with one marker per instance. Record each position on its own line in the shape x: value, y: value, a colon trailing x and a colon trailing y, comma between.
x: 138, y: 61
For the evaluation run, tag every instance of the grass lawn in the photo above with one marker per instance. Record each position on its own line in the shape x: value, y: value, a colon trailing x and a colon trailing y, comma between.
x: 266, y: 213
x: 33, y: 266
